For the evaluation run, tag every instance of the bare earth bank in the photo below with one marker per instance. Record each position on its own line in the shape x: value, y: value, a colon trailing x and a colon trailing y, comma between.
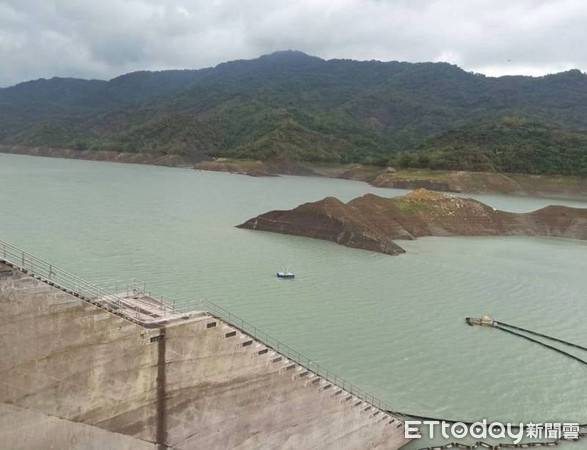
x: 373, y: 223
x: 436, y: 180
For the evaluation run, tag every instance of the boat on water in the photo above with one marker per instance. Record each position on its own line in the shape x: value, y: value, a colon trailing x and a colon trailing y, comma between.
x: 285, y: 275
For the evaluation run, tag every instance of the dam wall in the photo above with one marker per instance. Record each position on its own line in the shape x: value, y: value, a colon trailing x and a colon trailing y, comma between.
x: 191, y: 382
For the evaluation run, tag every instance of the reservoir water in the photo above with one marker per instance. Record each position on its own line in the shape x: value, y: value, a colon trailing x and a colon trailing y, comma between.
x: 393, y: 325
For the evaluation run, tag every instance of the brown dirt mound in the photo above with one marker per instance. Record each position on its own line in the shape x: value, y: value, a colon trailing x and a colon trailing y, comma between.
x: 372, y: 222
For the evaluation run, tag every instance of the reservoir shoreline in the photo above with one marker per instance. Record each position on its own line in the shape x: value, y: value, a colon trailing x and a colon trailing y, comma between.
x: 523, y: 185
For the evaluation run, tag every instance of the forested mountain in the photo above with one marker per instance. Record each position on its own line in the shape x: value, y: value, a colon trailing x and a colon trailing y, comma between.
x: 512, y: 144
x: 292, y: 104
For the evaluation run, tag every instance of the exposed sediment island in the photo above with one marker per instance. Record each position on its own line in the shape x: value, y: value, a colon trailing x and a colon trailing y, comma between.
x: 373, y: 223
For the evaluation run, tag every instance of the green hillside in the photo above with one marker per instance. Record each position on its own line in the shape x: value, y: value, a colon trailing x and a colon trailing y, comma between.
x: 512, y: 144
x: 299, y: 106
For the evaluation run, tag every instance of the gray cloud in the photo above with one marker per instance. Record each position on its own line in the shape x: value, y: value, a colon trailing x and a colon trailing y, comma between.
x: 105, y: 38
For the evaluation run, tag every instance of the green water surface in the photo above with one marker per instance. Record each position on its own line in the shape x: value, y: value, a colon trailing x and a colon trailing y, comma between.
x: 393, y: 325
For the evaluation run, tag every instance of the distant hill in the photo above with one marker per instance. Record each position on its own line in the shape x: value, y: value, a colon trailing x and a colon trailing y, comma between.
x: 511, y: 144
x: 288, y: 104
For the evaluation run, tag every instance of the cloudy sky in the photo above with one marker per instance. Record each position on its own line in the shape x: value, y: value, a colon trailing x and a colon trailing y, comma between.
x: 105, y: 38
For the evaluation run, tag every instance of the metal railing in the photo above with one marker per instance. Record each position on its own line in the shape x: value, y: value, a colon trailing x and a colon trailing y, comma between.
x: 293, y: 355
x: 52, y: 274
x: 88, y: 291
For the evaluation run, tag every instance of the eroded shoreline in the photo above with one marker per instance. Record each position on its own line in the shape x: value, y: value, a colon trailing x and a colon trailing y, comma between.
x: 545, y: 186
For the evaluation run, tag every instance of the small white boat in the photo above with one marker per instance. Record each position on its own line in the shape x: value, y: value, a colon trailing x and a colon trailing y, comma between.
x: 285, y: 275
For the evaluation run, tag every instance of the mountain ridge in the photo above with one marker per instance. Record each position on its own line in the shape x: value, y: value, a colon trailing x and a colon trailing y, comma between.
x: 279, y: 54
x: 286, y: 104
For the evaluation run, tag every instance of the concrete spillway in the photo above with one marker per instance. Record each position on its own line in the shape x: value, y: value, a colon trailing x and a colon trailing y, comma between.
x: 75, y: 375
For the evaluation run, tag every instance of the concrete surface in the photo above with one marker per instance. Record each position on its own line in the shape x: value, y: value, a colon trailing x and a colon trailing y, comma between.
x: 23, y: 429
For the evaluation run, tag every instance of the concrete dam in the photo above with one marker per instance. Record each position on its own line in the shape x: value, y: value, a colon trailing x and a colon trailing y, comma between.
x: 82, y: 368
